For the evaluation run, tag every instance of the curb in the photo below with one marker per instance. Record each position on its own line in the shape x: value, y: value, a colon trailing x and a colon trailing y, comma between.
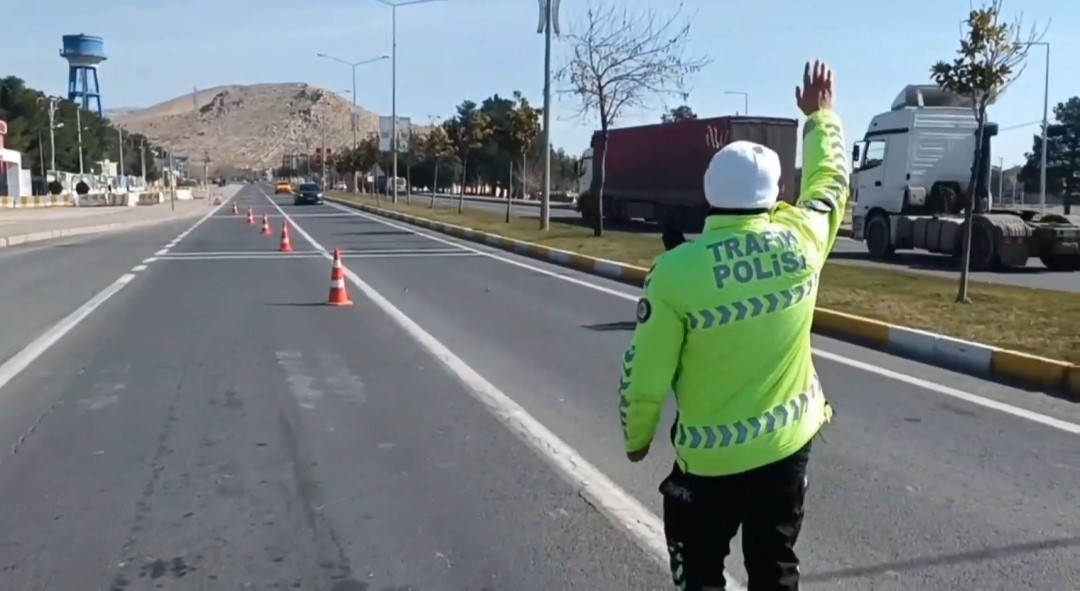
x: 1023, y: 369
x: 6, y: 241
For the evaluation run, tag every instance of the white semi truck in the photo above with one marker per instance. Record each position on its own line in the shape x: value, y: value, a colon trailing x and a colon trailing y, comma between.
x: 910, y: 173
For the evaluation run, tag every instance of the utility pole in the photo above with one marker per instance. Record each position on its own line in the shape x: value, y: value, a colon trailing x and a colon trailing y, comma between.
x: 195, y: 126
x: 41, y: 156
x: 78, y: 128
x: 52, y: 134
x: 142, y: 162
x: 172, y: 181
x: 322, y: 157
x: 120, y: 149
x: 352, y: 67
x: 549, y: 24
x: 393, y: 83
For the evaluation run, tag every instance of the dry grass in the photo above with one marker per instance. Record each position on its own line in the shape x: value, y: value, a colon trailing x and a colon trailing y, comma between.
x: 1042, y: 322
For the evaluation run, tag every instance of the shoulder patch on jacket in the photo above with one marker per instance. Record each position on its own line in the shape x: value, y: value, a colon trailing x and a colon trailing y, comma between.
x: 644, y: 310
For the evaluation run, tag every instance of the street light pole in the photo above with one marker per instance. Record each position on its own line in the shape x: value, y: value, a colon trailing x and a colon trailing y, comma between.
x: 352, y: 115
x: 746, y: 100
x: 1045, y: 124
x: 52, y: 134
x: 393, y: 83
x: 353, y: 66
x: 78, y: 127
x: 120, y: 150
x: 549, y: 24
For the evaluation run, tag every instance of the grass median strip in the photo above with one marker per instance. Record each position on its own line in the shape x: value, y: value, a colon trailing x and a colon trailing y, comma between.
x: 1042, y: 322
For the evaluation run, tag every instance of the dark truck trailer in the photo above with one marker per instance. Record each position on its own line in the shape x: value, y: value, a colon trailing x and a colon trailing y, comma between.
x: 655, y: 172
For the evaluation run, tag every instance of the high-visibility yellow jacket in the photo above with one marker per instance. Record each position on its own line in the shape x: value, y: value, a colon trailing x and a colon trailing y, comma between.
x: 725, y: 323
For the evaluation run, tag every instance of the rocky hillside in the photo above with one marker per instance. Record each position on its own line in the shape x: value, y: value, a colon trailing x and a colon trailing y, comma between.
x: 248, y: 126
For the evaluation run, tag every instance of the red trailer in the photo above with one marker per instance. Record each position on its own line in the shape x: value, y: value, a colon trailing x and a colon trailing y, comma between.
x: 655, y: 172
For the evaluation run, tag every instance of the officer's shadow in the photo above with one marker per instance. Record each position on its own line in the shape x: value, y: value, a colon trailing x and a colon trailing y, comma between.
x: 983, y: 554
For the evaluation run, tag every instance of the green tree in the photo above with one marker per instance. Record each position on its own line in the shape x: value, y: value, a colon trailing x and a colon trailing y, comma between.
x: 680, y: 113
x: 27, y: 112
x: 620, y: 60
x: 413, y: 156
x: 990, y: 57
x: 1062, y: 154
x: 519, y: 135
x: 468, y: 131
x: 492, y: 161
x: 437, y: 147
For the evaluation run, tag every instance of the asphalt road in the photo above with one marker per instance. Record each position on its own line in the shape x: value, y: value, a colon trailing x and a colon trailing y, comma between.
x: 211, y: 425
x: 847, y: 252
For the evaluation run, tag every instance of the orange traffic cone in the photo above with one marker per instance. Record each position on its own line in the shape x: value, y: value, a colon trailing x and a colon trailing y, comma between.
x: 266, y: 225
x: 235, y: 209
x: 286, y: 246
x: 251, y: 217
x: 338, y: 295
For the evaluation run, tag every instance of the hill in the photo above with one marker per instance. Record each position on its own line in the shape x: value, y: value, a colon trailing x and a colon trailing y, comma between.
x: 248, y: 126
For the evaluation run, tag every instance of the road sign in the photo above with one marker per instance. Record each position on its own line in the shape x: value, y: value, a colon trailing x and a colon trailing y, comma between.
x: 386, y: 133
x: 552, y: 7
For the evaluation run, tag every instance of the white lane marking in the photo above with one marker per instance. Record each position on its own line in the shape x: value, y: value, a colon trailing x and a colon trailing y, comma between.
x: 21, y: 360
x: 18, y: 362
x: 226, y: 253
x: 621, y: 508
x: 295, y: 215
x: 161, y: 252
x: 488, y: 254
x: 401, y: 255
x: 1042, y: 419
x: 837, y: 358
x: 138, y: 268
x: 241, y: 257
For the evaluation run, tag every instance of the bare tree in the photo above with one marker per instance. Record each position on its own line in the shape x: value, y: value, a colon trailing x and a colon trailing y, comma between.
x: 622, y: 59
x: 991, y: 56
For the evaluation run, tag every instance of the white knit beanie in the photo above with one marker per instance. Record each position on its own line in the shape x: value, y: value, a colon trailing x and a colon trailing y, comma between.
x: 743, y: 175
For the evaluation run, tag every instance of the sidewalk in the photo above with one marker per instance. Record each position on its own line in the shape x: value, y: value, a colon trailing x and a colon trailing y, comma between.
x: 30, y: 225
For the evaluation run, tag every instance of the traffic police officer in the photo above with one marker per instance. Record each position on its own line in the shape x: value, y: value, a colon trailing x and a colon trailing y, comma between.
x: 725, y: 322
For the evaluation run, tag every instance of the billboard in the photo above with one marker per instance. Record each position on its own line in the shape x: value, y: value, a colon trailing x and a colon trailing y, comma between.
x: 386, y: 133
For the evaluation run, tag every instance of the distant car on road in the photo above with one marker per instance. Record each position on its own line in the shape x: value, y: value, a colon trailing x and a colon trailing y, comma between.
x: 283, y: 188
x: 308, y: 193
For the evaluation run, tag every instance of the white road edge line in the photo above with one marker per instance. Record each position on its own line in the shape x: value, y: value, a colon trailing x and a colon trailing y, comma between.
x: 18, y: 362
x: 1016, y: 411
x: 645, y: 528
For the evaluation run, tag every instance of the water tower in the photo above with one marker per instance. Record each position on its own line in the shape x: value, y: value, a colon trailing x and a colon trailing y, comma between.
x: 84, y: 53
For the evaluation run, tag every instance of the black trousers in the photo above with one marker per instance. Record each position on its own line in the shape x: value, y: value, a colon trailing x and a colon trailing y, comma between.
x: 703, y: 513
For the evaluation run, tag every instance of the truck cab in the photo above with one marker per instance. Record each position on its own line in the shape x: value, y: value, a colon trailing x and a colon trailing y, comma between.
x: 584, y: 171
x: 915, y: 160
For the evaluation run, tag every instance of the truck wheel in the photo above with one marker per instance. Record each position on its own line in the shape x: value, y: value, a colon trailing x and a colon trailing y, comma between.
x: 1060, y: 262
x: 984, y: 256
x: 878, y: 242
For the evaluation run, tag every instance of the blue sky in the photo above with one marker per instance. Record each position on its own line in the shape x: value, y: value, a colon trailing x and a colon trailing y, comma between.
x: 449, y: 51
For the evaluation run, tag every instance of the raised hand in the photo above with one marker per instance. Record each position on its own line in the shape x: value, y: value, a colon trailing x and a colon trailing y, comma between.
x: 816, y: 92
